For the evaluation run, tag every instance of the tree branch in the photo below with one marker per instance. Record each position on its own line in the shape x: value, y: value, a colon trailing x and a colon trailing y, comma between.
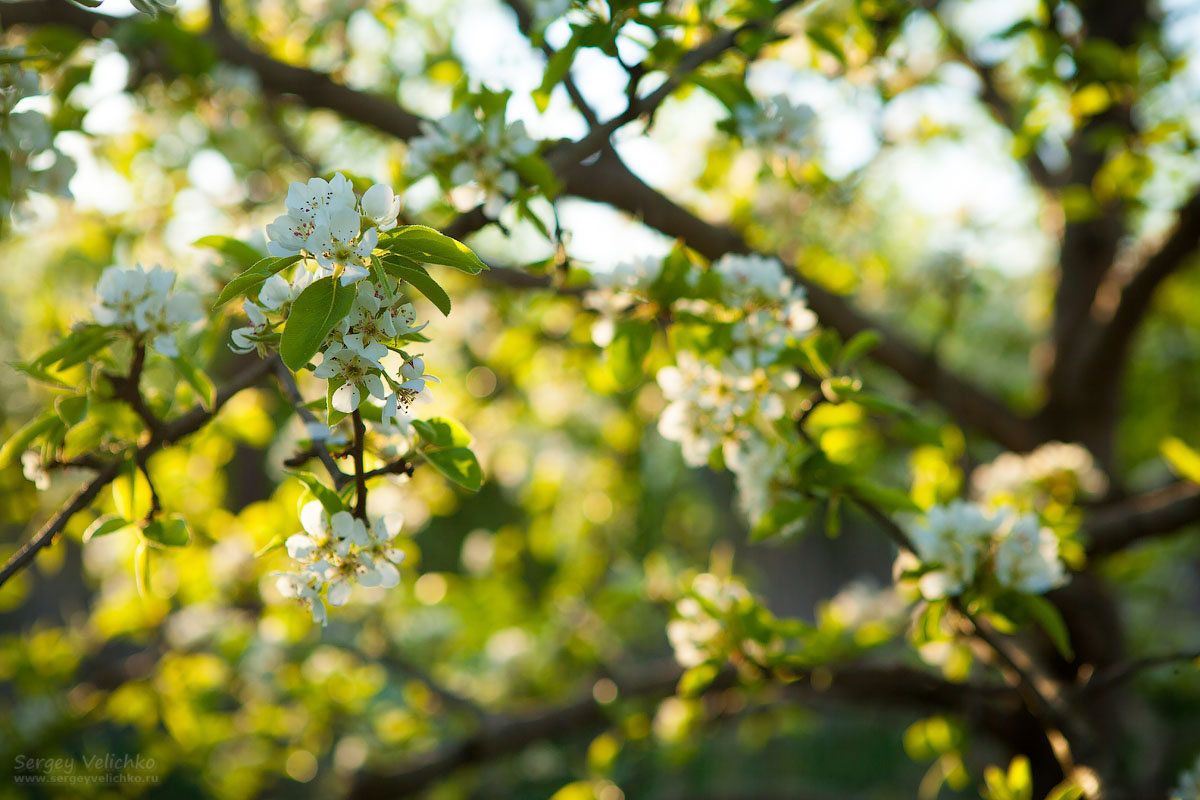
x: 167, y: 434
x: 1177, y: 251
x: 1119, y: 673
x: 895, y: 686
x: 1157, y: 513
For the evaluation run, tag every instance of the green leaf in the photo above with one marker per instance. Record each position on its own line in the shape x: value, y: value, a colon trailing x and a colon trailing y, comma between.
x: 276, y: 542
x: 625, y: 354
x: 534, y: 170
x: 332, y: 415
x: 71, y: 410
x: 728, y: 89
x: 141, y: 569
x: 1046, y: 615
x: 170, y: 531
x: 131, y: 493
x: 419, y: 278
x: 20, y: 441
x: 819, y: 349
x: 236, y: 251
x: 197, y: 379
x: 859, y: 345
x: 556, y: 69
x: 458, y: 464
x: 673, y: 279
x: 77, y: 346
x: 327, y: 497
x: 442, y: 432
x: 254, y: 276
x: 316, y: 311
x: 826, y: 42
x: 887, y: 499
x: 781, y: 516
x: 109, y: 523
x: 693, y: 682
x: 1183, y: 460
x: 431, y: 247
x: 1067, y: 790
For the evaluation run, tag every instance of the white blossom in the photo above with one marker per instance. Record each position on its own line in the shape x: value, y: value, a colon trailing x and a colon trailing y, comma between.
x: 1053, y: 468
x: 333, y: 553
x: 381, y: 205
x: 956, y: 541
x: 339, y: 244
x: 752, y: 277
x: 465, y: 151
x: 143, y: 302
x: 955, y: 537
x: 356, y: 370
x: 34, y: 470
x: 1026, y: 557
x: 777, y: 125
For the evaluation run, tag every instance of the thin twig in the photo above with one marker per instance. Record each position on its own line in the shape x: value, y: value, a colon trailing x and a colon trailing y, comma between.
x: 1118, y: 673
x: 128, y: 388
x: 167, y: 434
x: 360, y: 474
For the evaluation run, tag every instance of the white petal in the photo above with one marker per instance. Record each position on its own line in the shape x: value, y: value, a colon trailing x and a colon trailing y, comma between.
x: 275, y: 292
x: 377, y: 202
x: 346, y: 398
x: 301, y: 547
x: 166, y: 345
x: 344, y: 224
x: 369, y: 577
x: 339, y: 592
x: 389, y: 576
x: 353, y: 273
x: 314, y: 520
x: 368, y: 242
x: 343, y: 525
x: 374, y: 385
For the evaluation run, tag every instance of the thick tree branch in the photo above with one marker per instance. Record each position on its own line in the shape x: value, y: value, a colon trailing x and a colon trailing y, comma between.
x: 894, y: 686
x: 1177, y: 250
x: 1158, y: 513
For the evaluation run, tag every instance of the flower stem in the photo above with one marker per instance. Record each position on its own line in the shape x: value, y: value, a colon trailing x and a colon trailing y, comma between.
x: 360, y: 475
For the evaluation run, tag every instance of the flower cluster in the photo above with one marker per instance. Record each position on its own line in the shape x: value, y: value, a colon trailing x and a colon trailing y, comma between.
x: 707, y: 617
x: 143, y: 304
x: 329, y: 222
x: 1054, y: 471
x: 733, y: 404
x: 959, y: 540
x: 333, y: 553
x: 35, y: 165
x: 461, y: 149
x: 777, y: 125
